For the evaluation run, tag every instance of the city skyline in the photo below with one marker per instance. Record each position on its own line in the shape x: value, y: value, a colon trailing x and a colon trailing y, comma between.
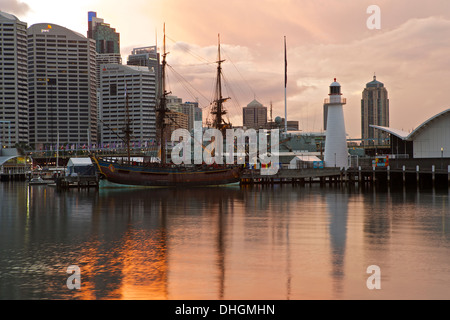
x: 408, y: 54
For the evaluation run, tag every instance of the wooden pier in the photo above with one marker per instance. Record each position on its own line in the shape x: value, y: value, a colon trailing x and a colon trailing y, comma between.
x: 381, y: 176
x: 293, y: 176
x: 13, y: 176
x: 78, y: 182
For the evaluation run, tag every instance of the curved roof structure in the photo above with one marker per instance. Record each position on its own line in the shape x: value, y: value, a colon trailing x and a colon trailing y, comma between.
x: 396, y: 132
x: 3, y: 160
x: 8, y: 16
x: 54, y: 29
x: 427, y: 123
x: 410, y: 136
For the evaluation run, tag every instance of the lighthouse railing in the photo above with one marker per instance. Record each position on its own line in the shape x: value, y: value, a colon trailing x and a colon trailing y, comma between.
x: 341, y: 101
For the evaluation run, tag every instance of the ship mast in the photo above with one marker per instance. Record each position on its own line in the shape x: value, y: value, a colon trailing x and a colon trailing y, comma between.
x: 218, y: 110
x: 127, y: 131
x: 162, y: 107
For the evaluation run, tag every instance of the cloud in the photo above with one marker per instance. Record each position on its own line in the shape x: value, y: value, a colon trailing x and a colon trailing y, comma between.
x: 15, y: 7
x: 410, y: 60
x: 326, y: 39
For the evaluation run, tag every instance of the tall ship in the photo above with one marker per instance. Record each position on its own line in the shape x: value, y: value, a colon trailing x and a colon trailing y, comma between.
x: 126, y: 171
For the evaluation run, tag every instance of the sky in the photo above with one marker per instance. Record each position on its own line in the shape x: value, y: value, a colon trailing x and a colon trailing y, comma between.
x: 326, y: 39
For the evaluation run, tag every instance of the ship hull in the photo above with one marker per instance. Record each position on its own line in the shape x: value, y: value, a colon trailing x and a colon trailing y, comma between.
x: 139, y: 174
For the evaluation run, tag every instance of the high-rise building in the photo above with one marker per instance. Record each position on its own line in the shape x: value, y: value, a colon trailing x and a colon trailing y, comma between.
x: 255, y: 115
x: 374, y: 111
x: 190, y: 109
x: 119, y: 83
x: 62, y: 86
x: 144, y: 57
x: 13, y: 81
x: 174, y: 103
x: 107, y: 41
x: 147, y: 57
x: 194, y: 113
x: 173, y: 121
x: 107, y: 47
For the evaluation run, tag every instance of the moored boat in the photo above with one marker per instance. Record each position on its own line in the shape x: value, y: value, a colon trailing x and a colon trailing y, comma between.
x: 125, y: 172
x: 156, y: 175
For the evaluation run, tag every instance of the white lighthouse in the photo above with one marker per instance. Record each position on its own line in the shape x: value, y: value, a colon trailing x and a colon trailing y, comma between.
x: 336, y: 151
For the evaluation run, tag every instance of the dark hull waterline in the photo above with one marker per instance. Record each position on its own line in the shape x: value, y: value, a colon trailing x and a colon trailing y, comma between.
x: 158, y: 176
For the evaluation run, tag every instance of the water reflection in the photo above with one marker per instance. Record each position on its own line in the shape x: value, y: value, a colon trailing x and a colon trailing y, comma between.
x: 337, y: 204
x: 279, y: 242
x: 136, y: 263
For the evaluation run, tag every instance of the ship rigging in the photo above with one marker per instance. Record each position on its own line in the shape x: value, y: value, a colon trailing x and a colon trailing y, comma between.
x: 165, y: 174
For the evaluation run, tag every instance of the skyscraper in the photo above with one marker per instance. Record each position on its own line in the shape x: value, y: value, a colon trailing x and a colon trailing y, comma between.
x: 144, y: 57
x: 138, y: 84
x: 194, y: 113
x: 147, y: 57
x: 255, y: 115
x: 107, y: 48
x: 62, y: 86
x: 374, y: 111
x: 13, y: 81
x: 107, y: 41
x: 190, y: 109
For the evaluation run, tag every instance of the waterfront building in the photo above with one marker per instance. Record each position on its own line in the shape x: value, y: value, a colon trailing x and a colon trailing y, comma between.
x: 254, y: 115
x: 13, y: 81
x: 336, y: 151
x: 62, y: 86
x: 431, y: 139
x: 138, y: 84
x: 374, y: 111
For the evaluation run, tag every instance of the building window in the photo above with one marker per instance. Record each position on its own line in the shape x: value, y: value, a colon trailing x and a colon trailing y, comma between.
x: 113, y: 89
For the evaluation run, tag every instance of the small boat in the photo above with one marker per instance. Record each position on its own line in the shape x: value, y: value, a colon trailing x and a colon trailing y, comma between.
x: 35, y: 181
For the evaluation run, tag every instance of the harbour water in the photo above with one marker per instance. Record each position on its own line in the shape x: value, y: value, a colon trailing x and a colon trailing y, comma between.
x: 260, y: 242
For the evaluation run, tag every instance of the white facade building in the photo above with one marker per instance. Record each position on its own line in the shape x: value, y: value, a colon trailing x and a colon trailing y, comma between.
x: 139, y: 84
x: 62, y: 86
x: 13, y: 81
x: 431, y: 139
x: 336, y: 150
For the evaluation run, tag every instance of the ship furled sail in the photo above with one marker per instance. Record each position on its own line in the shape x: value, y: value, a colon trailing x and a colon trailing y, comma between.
x: 127, y: 172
